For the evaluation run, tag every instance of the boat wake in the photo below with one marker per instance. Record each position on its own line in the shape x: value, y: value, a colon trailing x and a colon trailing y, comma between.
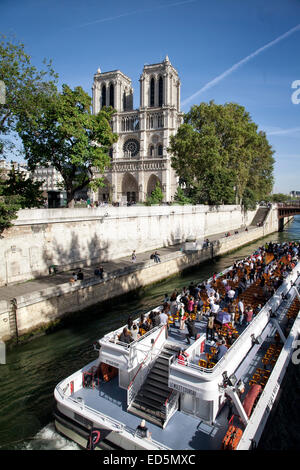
x: 49, y: 439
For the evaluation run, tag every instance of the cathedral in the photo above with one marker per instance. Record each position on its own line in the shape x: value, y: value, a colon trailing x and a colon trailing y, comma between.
x: 139, y: 159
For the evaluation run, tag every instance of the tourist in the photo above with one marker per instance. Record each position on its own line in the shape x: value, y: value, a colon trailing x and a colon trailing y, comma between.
x: 190, y: 305
x: 222, y: 350
x: 241, y: 310
x: 210, y: 331
x: 156, y: 257
x: 192, y: 331
x: 182, y: 357
x: 156, y: 319
x: 80, y: 275
x: 248, y: 315
x: 164, y: 318
x: 134, y: 332
x: 230, y: 295
x: 133, y: 257
x: 143, y: 325
x: 125, y: 336
x: 142, y: 431
x: 99, y: 272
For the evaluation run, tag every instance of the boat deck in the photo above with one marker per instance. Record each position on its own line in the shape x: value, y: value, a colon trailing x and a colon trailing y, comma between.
x: 111, y: 398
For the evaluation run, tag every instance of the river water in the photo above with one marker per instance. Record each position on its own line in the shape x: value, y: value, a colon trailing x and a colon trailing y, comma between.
x: 32, y: 370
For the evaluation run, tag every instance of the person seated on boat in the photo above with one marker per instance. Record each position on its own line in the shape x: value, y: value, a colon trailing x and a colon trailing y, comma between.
x: 129, y: 322
x: 125, y: 336
x: 182, y: 357
x: 142, y: 431
x: 134, y: 332
x: 222, y: 350
x: 150, y: 317
x: 156, y: 319
x: 143, y: 324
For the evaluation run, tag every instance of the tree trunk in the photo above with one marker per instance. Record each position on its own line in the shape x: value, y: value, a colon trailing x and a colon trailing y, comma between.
x: 70, y: 199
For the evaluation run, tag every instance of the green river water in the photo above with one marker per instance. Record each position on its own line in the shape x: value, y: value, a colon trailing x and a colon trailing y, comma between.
x: 32, y: 370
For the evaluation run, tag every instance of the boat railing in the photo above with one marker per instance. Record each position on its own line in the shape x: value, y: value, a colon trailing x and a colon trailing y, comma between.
x: 171, y: 403
x: 138, y: 379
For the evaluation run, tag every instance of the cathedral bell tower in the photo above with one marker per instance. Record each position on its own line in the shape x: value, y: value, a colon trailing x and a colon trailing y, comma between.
x: 112, y: 89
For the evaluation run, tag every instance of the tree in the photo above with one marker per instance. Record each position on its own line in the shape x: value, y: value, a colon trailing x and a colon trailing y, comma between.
x: 17, y: 192
x: 280, y: 197
x: 9, y: 207
x: 25, y: 89
x: 29, y: 192
x: 156, y: 196
x: 181, y: 197
x: 218, y: 153
x: 68, y: 137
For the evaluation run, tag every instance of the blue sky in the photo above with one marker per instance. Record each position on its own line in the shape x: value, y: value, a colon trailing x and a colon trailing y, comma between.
x: 234, y: 40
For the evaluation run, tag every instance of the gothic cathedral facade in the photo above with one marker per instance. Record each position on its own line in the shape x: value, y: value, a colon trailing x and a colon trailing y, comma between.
x: 140, y: 159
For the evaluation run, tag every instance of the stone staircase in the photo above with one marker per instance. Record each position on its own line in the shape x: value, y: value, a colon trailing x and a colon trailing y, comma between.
x: 260, y: 216
x: 150, y: 401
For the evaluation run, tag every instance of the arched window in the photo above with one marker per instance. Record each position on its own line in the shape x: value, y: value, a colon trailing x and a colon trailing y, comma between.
x: 103, y: 96
x: 160, y: 91
x: 152, y: 89
x: 151, y: 150
x: 111, y: 95
x: 160, y: 150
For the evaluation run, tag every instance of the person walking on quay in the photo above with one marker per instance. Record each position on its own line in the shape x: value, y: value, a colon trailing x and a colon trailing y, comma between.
x: 133, y: 257
x: 156, y: 257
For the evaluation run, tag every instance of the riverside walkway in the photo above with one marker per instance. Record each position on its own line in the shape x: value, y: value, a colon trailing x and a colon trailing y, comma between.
x: 110, y: 267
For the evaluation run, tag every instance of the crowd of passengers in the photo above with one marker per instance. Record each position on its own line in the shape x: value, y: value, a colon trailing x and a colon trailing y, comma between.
x: 205, y: 301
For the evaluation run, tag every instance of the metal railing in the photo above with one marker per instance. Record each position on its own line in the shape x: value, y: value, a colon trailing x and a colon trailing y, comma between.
x: 138, y: 380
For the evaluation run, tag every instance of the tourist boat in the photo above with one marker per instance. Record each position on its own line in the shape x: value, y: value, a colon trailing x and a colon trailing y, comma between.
x: 196, y: 404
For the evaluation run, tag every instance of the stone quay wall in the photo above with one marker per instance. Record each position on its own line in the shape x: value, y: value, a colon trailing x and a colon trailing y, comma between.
x: 71, y: 238
x: 36, y: 310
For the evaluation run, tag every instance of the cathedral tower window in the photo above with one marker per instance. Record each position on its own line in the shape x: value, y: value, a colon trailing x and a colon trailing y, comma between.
x: 152, y: 90
x: 160, y: 150
x: 111, y: 95
x: 160, y: 91
x: 103, y: 96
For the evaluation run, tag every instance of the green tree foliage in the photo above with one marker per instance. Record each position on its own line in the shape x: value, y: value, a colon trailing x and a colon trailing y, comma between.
x: 17, y: 193
x: 66, y: 135
x: 181, y: 197
x: 280, y: 197
x: 219, y: 154
x: 25, y: 89
x: 156, y: 195
x: 29, y: 192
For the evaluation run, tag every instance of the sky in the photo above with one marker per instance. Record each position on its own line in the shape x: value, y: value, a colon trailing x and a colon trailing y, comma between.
x: 242, y: 51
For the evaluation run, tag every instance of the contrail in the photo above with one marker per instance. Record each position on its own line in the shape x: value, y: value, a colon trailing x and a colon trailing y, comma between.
x: 240, y: 63
x: 110, y: 18
x: 284, y: 131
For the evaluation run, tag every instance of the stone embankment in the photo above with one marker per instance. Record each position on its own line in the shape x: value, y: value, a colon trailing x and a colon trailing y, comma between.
x: 27, y: 307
